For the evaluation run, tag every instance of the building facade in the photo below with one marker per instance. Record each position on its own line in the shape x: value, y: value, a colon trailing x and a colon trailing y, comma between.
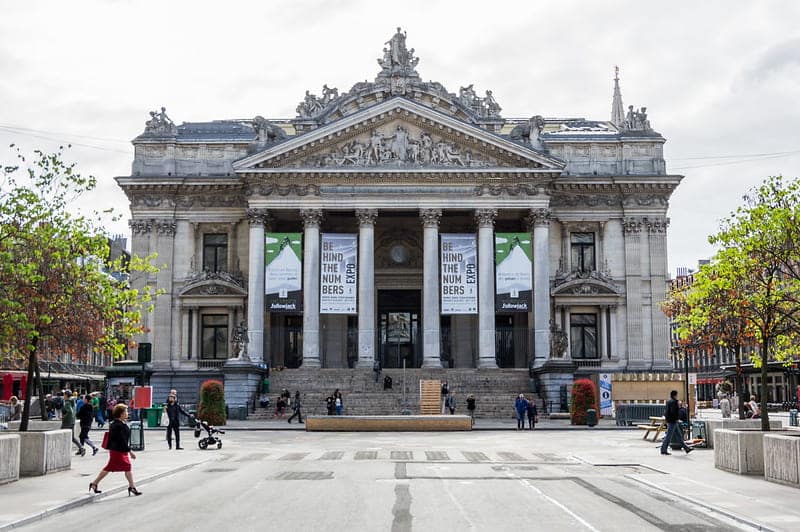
x: 394, y: 221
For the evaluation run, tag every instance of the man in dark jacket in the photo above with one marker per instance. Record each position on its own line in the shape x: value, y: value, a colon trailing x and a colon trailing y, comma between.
x: 671, y: 413
x: 173, y: 410
x: 85, y: 417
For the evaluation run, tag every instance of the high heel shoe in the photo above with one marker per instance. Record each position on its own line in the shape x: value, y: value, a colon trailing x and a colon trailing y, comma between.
x: 93, y: 487
x: 133, y: 490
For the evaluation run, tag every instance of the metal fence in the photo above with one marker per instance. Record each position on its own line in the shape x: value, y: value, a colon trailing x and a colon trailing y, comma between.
x: 631, y: 414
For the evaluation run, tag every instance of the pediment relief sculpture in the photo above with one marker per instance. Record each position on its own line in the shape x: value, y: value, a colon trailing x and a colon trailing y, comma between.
x: 207, y: 283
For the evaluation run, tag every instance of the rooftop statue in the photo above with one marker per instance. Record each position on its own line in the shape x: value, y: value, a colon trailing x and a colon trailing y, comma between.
x: 397, y: 59
x: 637, y: 120
x: 529, y: 132
x: 160, y: 124
x: 266, y: 131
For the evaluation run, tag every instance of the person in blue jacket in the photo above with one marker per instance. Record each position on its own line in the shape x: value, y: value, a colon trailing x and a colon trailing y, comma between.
x: 521, y: 406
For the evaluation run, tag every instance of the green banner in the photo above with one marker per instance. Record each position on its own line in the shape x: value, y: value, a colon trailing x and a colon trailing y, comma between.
x: 513, y: 272
x: 283, y: 254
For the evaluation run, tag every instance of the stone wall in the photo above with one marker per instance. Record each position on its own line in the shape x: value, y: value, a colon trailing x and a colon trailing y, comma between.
x: 782, y: 458
x: 44, y: 452
x: 9, y: 457
x: 754, y: 424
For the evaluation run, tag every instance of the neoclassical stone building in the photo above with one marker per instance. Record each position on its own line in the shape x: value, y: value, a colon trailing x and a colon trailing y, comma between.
x: 374, y: 223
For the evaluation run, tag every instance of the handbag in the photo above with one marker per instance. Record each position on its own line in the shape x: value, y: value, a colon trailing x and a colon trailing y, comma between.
x: 104, y: 443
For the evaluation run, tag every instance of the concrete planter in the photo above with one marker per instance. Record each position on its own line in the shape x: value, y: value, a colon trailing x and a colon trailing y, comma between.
x: 9, y: 457
x: 36, y: 425
x: 782, y: 458
x: 735, y: 424
x: 44, y: 452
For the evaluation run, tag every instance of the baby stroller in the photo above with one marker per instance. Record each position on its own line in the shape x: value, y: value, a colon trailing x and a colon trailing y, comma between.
x: 210, y: 438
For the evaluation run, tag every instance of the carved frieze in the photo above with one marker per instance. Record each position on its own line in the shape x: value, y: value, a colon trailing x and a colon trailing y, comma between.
x: 522, y: 189
x: 268, y: 189
x: 646, y: 200
x: 586, y: 200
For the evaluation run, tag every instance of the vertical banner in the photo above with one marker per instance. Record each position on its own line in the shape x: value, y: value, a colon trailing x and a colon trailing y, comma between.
x: 284, y: 276
x: 338, y: 286
x: 513, y: 273
x: 605, y: 394
x: 459, y: 274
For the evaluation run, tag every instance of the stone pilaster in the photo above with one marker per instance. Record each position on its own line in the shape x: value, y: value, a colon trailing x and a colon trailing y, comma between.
x: 539, y: 225
x: 486, y: 292
x: 657, y: 232
x: 162, y: 312
x: 366, y: 286
x: 312, y: 219
x: 259, y: 219
x: 632, y: 228
x: 141, y: 231
x: 430, y: 288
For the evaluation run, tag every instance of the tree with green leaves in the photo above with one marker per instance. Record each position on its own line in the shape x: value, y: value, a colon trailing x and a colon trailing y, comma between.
x: 754, y: 278
x: 55, y: 294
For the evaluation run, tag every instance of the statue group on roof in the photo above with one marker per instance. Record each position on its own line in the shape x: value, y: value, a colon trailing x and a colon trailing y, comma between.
x: 160, y: 123
x: 637, y: 120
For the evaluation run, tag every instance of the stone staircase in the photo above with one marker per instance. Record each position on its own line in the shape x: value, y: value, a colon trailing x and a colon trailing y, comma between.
x: 494, y: 389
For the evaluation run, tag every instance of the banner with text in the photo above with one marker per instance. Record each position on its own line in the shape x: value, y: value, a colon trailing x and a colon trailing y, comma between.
x: 338, y: 286
x: 459, y: 274
x: 283, y: 282
x: 513, y: 275
x: 605, y: 394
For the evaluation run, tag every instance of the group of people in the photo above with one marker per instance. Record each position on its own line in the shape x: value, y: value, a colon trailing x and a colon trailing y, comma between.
x: 728, y: 404
x: 449, y: 401
x: 334, y: 403
x: 525, y: 408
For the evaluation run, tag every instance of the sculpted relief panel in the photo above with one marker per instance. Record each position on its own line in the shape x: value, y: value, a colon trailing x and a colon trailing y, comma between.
x: 401, y: 145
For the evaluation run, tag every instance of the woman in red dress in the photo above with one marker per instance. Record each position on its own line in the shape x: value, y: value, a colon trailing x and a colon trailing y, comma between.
x: 119, y: 449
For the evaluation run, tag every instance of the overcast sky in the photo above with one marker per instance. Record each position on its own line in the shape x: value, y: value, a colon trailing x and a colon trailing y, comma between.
x: 720, y: 79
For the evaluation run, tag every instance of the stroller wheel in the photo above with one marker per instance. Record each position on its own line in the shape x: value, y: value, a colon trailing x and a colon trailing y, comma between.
x: 219, y: 445
x: 203, y: 444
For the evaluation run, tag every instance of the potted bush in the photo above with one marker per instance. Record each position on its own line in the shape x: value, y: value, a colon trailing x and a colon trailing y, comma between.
x: 212, y: 403
x: 583, y: 398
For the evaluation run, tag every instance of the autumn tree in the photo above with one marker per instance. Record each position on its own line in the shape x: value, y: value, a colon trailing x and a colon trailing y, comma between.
x: 53, y: 287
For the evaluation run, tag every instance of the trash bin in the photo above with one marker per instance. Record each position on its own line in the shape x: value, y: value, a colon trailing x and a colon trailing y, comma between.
x: 793, y: 417
x: 153, y: 416
x: 237, y: 412
x: 137, y: 436
x: 265, y: 385
x: 591, y: 417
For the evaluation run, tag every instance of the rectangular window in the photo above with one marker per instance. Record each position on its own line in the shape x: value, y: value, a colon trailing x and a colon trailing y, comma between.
x: 583, y: 336
x: 582, y: 246
x: 215, y: 337
x: 215, y: 252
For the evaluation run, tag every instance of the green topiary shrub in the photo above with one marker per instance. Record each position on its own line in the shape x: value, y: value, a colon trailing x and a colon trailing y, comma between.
x: 212, y: 403
x: 583, y: 398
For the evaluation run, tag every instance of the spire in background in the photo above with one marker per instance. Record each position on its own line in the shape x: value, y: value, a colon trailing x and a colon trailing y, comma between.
x: 617, y: 110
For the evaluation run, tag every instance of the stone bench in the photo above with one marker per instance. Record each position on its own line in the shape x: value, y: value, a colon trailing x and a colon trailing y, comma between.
x: 44, y: 452
x: 9, y: 457
x: 732, y: 423
x: 782, y: 458
x: 387, y: 423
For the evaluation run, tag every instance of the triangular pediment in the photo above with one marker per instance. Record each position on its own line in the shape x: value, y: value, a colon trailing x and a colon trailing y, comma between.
x: 398, y: 134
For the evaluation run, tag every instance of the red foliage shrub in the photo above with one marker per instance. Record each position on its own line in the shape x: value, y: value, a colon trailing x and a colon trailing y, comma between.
x: 212, y: 403
x: 583, y: 398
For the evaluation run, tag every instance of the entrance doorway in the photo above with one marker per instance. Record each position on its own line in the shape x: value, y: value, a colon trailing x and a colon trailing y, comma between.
x: 399, y: 328
x: 293, y: 354
x: 504, y: 341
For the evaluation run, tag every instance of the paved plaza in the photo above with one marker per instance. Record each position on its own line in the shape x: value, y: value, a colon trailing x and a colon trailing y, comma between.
x: 492, y: 479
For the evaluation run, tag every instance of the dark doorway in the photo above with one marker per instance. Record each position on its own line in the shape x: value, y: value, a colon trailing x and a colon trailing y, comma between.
x: 293, y: 344
x: 504, y: 341
x: 399, y: 328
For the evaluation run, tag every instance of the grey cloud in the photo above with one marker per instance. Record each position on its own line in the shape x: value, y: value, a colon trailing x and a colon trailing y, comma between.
x: 779, y: 60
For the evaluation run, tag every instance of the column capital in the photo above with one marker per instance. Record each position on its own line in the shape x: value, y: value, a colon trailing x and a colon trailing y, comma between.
x: 632, y: 225
x: 165, y: 226
x: 366, y: 216
x: 657, y: 225
x: 430, y: 217
x: 485, y: 217
x: 538, y: 217
x: 311, y: 217
x: 141, y: 227
x: 258, y: 217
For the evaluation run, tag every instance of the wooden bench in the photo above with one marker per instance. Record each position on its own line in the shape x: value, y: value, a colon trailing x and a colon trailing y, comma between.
x: 657, y: 425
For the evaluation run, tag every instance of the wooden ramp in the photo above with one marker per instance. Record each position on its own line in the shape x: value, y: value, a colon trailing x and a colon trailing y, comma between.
x: 430, y: 397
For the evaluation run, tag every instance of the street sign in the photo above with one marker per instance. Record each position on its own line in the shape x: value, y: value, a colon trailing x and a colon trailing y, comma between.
x: 693, y: 378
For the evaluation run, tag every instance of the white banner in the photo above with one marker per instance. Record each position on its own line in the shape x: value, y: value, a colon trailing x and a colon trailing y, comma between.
x: 605, y: 394
x: 338, y: 282
x: 459, y: 274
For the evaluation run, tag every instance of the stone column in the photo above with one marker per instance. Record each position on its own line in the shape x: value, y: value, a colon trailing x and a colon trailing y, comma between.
x: 632, y: 227
x: 185, y: 324
x: 659, y: 324
x: 612, y: 319
x: 539, y: 225
x: 568, y: 331
x: 486, y: 326
x: 258, y: 219
x: 312, y: 219
x: 163, y: 313
x: 430, y: 288
x: 602, y: 333
x: 366, y: 287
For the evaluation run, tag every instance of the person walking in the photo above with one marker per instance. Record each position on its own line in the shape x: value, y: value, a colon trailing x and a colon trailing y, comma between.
x: 754, y: 408
x: 471, y: 407
x: 68, y: 419
x: 376, y: 367
x: 451, y: 402
x: 725, y: 407
x: 533, y: 414
x: 671, y: 417
x: 85, y: 417
x: 173, y: 411
x: 119, y: 450
x: 521, y: 407
x: 296, y: 408
x: 102, y: 406
x: 338, y: 402
x: 445, y: 393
